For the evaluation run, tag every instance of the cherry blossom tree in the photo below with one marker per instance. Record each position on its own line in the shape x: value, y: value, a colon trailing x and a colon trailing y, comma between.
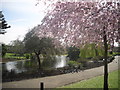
x: 78, y: 23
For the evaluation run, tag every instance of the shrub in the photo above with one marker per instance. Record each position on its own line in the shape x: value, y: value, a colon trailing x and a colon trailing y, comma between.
x: 73, y: 53
x: 4, y: 50
x: 27, y: 56
x: 73, y: 63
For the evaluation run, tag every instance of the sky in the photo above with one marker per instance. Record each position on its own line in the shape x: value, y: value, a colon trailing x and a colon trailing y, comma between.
x: 21, y: 15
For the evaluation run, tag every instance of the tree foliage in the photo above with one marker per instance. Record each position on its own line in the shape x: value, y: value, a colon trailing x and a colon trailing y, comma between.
x: 40, y: 46
x: 17, y: 47
x: 73, y: 53
x: 4, y: 50
x: 43, y: 45
x: 3, y: 24
x: 91, y: 50
x: 76, y: 23
x: 80, y: 22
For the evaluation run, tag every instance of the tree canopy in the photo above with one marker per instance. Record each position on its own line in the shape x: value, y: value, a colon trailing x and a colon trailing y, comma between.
x: 4, y: 50
x: 39, y: 45
x: 17, y: 47
x: 3, y: 24
x: 73, y: 53
x: 78, y: 23
x: 75, y: 23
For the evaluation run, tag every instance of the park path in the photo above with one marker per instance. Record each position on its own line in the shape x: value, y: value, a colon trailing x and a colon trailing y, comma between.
x: 61, y: 80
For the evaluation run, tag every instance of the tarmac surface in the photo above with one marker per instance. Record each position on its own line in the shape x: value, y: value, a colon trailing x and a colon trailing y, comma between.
x: 64, y: 79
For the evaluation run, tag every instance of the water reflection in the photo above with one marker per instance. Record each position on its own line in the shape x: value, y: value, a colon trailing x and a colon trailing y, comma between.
x: 17, y: 66
x: 22, y: 66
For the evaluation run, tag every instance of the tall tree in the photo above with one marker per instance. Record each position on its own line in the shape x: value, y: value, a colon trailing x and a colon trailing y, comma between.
x: 37, y: 45
x: 4, y: 50
x: 73, y: 53
x: 17, y: 47
x: 3, y: 24
x: 76, y: 23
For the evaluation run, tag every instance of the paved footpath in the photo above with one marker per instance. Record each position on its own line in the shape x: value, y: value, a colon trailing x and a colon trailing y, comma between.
x: 64, y: 79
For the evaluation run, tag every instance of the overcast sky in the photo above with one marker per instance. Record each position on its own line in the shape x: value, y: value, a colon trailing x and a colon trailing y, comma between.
x: 21, y: 15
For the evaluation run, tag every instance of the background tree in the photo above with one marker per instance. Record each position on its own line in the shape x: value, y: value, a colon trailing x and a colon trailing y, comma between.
x: 78, y: 23
x: 91, y: 50
x: 17, y: 47
x: 3, y: 24
x: 73, y: 53
x: 4, y: 50
x: 37, y: 45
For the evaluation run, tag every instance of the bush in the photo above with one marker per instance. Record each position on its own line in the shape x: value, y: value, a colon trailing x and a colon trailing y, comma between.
x: 48, y: 62
x: 98, y: 58
x: 27, y: 56
x: 73, y: 63
x: 73, y: 53
x: 4, y: 50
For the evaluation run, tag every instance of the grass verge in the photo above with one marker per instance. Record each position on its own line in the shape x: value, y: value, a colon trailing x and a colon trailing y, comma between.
x: 13, y: 56
x: 97, y: 82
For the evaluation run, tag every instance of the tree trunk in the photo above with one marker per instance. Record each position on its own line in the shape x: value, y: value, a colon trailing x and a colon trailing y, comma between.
x: 39, y: 63
x: 105, y: 62
x: 96, y: 52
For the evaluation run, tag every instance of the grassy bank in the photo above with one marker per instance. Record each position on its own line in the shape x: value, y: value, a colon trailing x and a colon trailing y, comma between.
x: 97, y: 82
x: 12, y: 57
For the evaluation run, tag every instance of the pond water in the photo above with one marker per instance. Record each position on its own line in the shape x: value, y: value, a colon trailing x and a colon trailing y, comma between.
x: 25, y: 65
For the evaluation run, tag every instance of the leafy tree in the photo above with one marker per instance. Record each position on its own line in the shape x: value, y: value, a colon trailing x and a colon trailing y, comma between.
x: 17, y: 47
x: 73, y: 53
x: 85, y: 22
x: 39, y: 46
x: 3, y: 24
x: 91, y: 50
x: 4, y: 50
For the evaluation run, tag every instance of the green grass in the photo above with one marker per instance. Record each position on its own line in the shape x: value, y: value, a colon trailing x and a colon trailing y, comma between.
x: 114, y: 53
x: 12, y: 56
x: 97, y: 82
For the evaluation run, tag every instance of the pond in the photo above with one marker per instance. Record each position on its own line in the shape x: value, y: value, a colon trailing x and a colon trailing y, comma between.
x: 27, y: 65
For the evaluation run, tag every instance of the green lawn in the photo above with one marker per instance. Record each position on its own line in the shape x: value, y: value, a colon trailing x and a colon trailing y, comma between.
x: 97, y: 82
x: 12, y: 56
